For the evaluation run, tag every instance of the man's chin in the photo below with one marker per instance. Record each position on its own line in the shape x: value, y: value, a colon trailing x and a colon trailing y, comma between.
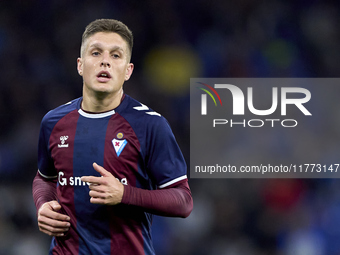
x: 102, y: 88
x: 102, y: 92
x: 105, y: 92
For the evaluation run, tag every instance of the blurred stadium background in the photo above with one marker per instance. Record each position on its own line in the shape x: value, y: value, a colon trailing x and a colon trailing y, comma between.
x: 175, y: 40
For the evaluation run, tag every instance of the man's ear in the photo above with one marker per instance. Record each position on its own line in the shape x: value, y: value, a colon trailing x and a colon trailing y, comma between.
x: 129, y: 71
x: 80, y: 66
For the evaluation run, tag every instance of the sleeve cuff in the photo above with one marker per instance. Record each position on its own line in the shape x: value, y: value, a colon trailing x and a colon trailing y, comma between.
x: 127, y: 194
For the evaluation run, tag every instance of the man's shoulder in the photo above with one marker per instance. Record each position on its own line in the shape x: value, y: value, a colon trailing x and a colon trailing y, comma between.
x: 60, y: 111
x: 131, y: 106
x: 141, y: 116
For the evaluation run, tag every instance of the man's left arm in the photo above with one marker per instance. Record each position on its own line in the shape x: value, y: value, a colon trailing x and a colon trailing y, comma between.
x: 173, y: 201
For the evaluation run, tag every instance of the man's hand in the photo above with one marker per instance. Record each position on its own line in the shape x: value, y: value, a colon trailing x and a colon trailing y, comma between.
x: 50, y: 221
x: 105, y: 190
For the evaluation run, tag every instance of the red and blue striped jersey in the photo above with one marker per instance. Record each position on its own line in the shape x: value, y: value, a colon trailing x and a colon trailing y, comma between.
x: 132, y: 142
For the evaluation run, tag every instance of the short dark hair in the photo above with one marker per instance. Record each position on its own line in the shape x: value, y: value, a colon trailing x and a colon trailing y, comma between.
x: 108, y: 25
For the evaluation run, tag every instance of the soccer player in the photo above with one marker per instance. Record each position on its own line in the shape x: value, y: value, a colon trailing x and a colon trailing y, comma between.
x: 106, y: 162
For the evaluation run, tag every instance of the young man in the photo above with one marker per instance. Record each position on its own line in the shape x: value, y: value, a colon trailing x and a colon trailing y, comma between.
x: 107, y: 162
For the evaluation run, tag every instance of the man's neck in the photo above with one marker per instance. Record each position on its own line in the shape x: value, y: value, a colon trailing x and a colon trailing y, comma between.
x: 97, y: 102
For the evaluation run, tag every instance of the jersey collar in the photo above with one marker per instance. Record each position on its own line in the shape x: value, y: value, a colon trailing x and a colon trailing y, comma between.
x: 95, y: 115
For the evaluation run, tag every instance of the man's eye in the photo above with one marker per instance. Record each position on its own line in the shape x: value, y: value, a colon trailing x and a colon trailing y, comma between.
x: 96, y: 53
x: 115, y: 55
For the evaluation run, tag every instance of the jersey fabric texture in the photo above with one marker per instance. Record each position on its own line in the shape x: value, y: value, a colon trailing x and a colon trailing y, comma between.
x: 132, y: 142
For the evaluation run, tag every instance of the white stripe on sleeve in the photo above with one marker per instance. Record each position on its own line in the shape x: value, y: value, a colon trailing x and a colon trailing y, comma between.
x: 172, y: 182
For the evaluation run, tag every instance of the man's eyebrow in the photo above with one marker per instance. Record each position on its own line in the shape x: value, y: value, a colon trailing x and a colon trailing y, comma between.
x: 100, y: 46
x: 95, y: 45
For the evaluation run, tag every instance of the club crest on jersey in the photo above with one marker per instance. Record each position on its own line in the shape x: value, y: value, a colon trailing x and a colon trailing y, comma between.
x: 118, y: 145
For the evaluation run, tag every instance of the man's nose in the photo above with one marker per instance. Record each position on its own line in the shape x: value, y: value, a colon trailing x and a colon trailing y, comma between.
x: 105, y: 61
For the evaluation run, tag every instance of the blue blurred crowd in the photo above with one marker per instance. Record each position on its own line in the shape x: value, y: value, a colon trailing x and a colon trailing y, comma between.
x: 174, y: 41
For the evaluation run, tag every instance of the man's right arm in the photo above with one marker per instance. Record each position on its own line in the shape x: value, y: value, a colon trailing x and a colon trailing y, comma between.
x: 45, y: 198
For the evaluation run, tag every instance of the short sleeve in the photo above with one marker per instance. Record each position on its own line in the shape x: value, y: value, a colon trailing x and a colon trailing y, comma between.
x: 165, y: 163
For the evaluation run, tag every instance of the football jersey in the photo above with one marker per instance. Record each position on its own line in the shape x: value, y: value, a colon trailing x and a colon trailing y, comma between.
x: 132, y: 142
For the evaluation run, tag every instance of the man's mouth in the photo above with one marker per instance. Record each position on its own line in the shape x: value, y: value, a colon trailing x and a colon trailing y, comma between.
x: 103, y: 76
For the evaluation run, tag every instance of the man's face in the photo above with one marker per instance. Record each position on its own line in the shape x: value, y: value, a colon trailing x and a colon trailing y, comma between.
x: 104, y: 63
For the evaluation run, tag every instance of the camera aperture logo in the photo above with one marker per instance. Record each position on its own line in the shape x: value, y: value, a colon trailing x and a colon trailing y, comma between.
x: 204, y: 97
x: 239, y: 103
